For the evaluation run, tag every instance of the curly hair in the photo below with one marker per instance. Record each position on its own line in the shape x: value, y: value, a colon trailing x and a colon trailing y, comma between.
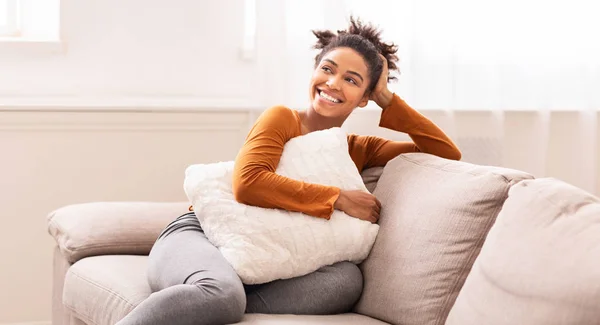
x: 364, y: 39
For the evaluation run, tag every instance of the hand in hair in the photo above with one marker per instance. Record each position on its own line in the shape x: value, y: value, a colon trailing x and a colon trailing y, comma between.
x: 381, y: 94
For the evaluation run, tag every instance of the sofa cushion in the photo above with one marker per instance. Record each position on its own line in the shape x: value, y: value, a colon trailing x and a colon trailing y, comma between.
x: 343, y: 319
x: 101, y: 290
x: 263, y: 319
x: 435, y: 216
x: 102, y: 228
x: 540, y: 263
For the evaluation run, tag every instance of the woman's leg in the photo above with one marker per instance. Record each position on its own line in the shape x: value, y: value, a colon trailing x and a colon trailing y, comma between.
x: 332, y: 289
x: 192, y: 283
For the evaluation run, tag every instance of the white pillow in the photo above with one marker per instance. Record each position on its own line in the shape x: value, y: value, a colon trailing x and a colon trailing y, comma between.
x: 264, y: 244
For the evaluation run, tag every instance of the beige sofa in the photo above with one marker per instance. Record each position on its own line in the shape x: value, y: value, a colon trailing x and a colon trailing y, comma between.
x: 459, y: 244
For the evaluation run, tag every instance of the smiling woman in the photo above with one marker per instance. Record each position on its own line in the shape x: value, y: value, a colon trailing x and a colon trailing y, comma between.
x: 350, y: 69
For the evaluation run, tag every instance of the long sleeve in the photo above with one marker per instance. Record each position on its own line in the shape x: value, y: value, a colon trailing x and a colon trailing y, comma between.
x: 371, y: 151
x: 255, y: 181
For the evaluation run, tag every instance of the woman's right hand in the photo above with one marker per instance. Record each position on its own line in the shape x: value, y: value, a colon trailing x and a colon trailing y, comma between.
x: 359, y: 204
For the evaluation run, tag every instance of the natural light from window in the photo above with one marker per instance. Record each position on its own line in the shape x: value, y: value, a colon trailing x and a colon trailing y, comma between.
x: 473, y: 54
x: 3, y: 13
x: 9, y: 18
x: 32, y: 20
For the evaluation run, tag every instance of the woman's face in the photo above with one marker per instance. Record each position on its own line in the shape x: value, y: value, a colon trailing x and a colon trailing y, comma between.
x: 339, y: 83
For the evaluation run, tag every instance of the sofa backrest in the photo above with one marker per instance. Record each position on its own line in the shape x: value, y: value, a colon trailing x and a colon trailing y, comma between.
x: 435, y: 217
x: 540, y: 264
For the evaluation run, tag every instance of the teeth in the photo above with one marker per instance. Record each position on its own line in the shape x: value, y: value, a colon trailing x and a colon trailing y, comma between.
x: 329, y: 98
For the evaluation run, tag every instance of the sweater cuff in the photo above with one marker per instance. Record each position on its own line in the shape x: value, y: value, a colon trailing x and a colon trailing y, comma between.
x: 330, y: 204
x: 398, y: 116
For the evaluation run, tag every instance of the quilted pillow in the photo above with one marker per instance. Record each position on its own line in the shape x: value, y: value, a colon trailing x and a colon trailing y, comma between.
x: 264, y: 244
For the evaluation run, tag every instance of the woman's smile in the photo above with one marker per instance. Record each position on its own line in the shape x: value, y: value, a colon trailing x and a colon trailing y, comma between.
x: 328, y: 97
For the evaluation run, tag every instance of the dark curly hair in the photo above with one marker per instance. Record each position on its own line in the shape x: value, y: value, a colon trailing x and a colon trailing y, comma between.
x: 364, y: 39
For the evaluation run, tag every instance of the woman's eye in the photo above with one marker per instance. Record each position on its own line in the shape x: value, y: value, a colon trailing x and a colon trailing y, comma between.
x: 326, y: 69
x: 351, y: 80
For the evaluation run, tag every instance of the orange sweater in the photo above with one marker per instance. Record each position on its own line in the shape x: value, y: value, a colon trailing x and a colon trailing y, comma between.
x: 254, y: 179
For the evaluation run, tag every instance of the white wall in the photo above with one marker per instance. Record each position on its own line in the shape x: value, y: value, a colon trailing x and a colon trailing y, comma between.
x: 118, y: 56
x: 139, y: 48
x: 52, y: 159
x: 144, y: 88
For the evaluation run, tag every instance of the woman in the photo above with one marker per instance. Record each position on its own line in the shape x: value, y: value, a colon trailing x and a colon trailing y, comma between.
x: 194, y: 284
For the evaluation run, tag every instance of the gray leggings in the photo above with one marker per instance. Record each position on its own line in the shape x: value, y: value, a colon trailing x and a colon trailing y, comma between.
x: 193, y: 284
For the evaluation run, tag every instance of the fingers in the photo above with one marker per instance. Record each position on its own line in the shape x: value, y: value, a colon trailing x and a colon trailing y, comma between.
x: 375, y: 202
x: 364, y: 206
x: 375, y: 216
x: 384, y: 60
x: 378, y: 203
x: 376, y: 211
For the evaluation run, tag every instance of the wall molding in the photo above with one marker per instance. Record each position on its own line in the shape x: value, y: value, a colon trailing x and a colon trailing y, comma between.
x: 175, y: 104
x: 110, y: 121
x: 127, y: 103
x: 29, y: 323
x: 125, y: 128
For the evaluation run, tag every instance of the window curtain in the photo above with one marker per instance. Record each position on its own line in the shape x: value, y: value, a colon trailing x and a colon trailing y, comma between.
x: 515, y: 82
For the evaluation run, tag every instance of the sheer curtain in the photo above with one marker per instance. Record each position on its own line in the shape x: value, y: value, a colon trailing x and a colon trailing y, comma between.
x: 516, y: 82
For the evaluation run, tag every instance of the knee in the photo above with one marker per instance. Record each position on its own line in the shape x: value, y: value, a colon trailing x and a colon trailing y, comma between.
x: 349, y: 279
x: 225, y: 298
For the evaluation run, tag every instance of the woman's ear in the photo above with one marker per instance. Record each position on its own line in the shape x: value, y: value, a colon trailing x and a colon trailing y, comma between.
x: 365, y: 100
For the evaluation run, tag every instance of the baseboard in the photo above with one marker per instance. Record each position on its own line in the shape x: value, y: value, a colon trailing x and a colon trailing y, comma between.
x: 29, y: 323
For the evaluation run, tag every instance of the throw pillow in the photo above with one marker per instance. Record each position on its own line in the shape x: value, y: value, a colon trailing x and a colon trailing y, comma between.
x: 436, y: 214
x: 264, y: 244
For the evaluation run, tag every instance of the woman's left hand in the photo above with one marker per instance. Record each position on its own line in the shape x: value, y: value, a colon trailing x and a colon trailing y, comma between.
x: 381, y: 94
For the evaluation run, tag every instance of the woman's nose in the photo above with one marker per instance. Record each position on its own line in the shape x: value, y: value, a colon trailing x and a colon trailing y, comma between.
x: 333, y: 83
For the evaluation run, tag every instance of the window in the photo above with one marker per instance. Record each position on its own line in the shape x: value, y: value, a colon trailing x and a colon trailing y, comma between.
x: 30, y: 20
x: 249, y: 44
x: 9, y: 18
x: 472, y: 54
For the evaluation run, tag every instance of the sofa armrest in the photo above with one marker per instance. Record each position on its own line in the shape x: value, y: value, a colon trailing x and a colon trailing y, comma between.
x: 103, y: 228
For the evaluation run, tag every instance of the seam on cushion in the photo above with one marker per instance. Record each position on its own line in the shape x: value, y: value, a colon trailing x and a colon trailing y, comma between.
x: 452, y: 171
x: 554, y: 204
x: 56, y: 225
x: 51, y: 215
x: 79, y: 315
x: 507, y: 180
x: 539, y: 297
x: 60, y: 240
x: 120, y: 244
x: 103, y: 288
x: 479, y: 244
x: 78, y: 255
